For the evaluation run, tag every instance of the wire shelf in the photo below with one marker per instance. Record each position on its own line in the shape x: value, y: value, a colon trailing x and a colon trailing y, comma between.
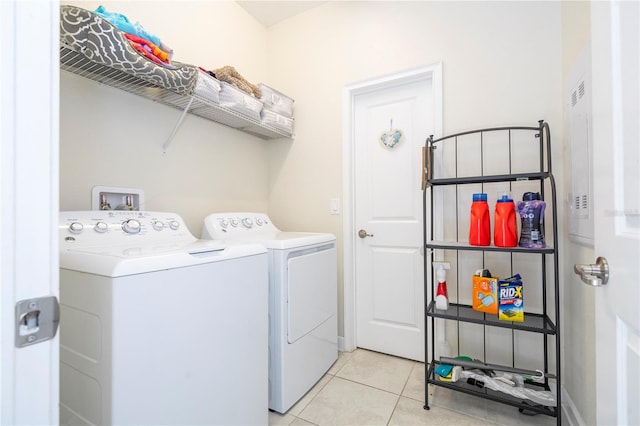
x: 76, y: 63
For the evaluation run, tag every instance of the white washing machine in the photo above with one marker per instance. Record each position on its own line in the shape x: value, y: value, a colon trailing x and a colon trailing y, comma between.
x: 303, y: 300
x: 158, y: 327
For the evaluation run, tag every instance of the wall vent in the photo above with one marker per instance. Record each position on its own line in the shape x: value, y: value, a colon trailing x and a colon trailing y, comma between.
x: 574, y: 99
x: 581, y: 89
x: 581, y: 206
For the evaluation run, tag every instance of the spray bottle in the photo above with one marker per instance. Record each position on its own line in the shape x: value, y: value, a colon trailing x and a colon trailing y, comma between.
x: 442, y: 297
x: 442, y: 302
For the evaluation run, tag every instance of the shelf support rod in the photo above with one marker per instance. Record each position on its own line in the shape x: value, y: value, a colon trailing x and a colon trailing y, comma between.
x: 175, y: 128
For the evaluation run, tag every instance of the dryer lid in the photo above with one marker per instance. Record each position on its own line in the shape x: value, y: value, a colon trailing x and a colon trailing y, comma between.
x: 279, y: 240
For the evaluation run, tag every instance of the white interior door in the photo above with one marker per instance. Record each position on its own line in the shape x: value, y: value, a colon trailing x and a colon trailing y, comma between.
x: 28, y: 212
x: 616, y: 129
x: 388, y: 207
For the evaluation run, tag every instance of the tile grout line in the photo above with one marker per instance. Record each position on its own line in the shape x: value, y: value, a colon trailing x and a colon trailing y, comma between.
x: 297, y: 416
x: 401, y: 392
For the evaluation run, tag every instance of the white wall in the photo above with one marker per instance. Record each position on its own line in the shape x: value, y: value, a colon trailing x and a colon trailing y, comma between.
x: 108, y: 137
x: 501, y: 64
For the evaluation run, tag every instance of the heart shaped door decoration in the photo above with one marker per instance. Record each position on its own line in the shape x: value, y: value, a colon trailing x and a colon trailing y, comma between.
x: 389, y: 139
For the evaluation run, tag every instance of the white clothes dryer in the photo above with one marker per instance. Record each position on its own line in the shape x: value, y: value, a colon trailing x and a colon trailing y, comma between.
x: 158, y: 327
x: 303, y: 299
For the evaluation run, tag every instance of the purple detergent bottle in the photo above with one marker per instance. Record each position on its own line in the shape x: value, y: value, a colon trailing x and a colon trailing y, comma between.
x: 531, y: 210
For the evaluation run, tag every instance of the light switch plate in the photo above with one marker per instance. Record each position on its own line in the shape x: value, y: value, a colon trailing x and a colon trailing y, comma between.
x: 334, y: 206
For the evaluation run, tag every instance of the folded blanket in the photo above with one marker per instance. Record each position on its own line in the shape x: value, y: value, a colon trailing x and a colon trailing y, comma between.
x: 230, y: 75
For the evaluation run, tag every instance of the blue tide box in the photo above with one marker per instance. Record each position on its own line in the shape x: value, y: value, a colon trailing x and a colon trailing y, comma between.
x: 510, y: 300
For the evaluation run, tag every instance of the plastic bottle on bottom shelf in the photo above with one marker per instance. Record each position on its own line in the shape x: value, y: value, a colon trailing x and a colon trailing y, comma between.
x: 505, y: 232
x: 480, y: 225
x: 531, y: 210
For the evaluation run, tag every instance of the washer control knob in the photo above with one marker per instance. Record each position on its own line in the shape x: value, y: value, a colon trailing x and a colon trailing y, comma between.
x: 131, y: 226
x: 157, y: 225
x: 101, y: 227
x: 224, y: 223
x: 234, y: 222
x: 259, y: 222
x: 247, y: 222
x: 76, y: 228
x: 174, y: 224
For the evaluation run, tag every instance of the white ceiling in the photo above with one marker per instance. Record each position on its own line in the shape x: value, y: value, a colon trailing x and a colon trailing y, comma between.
x: 270, y: 12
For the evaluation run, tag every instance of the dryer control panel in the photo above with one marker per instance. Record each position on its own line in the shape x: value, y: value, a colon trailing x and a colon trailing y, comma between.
x: 229, y: 225
x: 97, y: 227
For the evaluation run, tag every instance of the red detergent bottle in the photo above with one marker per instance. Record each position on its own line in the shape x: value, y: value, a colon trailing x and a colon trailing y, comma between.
x: 505, y: 232
x: 480, y: 226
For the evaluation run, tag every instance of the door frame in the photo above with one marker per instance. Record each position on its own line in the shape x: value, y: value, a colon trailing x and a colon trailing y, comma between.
x: 29, y: 100
x: 431, y: 72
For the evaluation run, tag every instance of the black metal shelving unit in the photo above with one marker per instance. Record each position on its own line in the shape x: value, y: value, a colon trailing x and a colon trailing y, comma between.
x: 544, y: 319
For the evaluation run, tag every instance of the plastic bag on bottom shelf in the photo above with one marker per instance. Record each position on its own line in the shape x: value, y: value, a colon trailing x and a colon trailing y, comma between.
x: 545, y: 398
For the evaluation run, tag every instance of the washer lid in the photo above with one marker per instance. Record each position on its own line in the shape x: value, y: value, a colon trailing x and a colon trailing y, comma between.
x: 129, y: 260
x: 131, y: 251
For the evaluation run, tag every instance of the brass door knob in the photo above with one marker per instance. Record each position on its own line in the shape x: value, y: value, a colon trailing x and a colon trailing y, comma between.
x: 363, y: 234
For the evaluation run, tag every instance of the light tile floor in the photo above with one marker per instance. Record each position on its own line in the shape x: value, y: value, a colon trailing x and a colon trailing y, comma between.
x: 370, y: 388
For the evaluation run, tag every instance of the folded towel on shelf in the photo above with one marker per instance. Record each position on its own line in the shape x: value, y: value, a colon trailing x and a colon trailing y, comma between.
x: 149, y: 50
x: 232, y: 76
x: 122, y: 23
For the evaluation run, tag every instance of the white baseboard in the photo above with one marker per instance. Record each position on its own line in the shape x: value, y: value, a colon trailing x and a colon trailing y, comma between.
x: 570, y: 410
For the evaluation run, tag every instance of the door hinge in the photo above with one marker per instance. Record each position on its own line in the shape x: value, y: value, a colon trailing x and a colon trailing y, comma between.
x: 426, y: 172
